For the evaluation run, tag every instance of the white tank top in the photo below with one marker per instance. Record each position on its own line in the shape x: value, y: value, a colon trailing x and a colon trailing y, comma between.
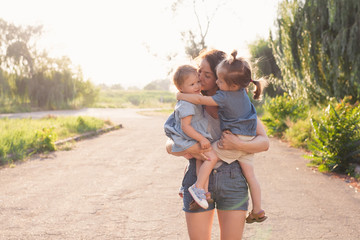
x: 213, y: 126
x: 214, y: 130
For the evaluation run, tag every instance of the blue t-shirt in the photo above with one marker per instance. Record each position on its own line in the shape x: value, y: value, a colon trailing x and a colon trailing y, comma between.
x: 236, y: 112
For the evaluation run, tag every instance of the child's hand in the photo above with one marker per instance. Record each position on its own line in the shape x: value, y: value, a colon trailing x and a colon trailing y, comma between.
x: 227, y: 132
x: 196, y: 152
x: 205, y: 143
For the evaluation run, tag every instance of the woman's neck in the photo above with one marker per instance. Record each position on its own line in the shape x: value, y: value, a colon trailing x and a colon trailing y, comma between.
x: 211, y: 92
x: 212, y: 111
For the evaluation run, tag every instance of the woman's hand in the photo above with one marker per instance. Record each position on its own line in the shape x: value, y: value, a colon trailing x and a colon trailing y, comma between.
x: 229, y: 141
x: 194, y: 151
x: 259, y: 144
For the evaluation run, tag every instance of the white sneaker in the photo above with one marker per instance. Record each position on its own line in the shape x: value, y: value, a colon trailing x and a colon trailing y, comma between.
x: 199, y: 196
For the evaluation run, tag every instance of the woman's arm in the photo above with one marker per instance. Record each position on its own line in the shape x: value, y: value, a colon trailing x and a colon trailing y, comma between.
x: 194, y: 151
x: 259, y: 144
x: 196, y: 99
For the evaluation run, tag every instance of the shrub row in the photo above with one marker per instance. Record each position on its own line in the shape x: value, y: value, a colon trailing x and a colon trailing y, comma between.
x: 332, y: 135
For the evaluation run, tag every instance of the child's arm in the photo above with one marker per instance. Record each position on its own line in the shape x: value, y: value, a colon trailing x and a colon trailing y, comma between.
x: 191, y: 132
x: 196, y: 99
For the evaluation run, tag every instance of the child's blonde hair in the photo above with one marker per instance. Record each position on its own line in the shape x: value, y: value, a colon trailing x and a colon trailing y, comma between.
x: 237, y: 71
x: 182, y: 73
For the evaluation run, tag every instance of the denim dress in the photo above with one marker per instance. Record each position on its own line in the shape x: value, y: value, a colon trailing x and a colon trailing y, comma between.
x: 173, y: 128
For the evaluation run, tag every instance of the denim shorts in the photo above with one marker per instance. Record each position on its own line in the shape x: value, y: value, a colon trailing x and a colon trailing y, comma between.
x: 227, y: 186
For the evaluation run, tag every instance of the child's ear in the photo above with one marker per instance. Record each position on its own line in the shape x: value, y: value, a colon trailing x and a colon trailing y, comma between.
x: 235, y: 87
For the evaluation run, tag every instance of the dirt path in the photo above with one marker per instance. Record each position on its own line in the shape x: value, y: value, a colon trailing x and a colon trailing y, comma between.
x: 108, y: 187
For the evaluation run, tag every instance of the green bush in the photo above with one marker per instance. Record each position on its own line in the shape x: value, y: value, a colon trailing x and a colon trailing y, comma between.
x: 135, y: 100
x: 87, y: 124
x: 282, y: 110
x: 299, y: 134
x: 44, y: 140
x: 336, y: 141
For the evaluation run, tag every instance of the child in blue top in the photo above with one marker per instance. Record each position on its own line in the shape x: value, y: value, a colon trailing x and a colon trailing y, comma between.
x: 237, y: 116
x: 188, y: 126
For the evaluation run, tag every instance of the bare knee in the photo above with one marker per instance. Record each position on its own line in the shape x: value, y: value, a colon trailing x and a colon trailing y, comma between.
x: 212, y: 156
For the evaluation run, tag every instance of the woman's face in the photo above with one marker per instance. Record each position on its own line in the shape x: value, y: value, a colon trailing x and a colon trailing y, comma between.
x: 207, y: 77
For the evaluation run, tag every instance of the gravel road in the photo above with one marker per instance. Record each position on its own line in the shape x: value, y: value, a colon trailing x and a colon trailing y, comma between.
x: 123, y: 185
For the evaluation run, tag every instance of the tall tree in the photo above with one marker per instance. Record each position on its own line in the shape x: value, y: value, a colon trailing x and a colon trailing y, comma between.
x: 28, y: 76
x: 317, y: 49
x: 17, y: 48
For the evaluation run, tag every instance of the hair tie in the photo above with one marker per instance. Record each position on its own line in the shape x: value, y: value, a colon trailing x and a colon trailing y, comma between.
x: 251, y: 80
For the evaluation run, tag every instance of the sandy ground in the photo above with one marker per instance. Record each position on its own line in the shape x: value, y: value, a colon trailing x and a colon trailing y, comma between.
x: 123, y: 185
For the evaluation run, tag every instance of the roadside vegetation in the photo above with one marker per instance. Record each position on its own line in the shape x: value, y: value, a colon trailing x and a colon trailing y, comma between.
x: 20, y: 138
x: 312, y: 62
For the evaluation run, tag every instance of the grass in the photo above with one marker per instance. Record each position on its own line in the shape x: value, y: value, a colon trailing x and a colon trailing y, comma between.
x: 22, y: 137
x: 114, y: 98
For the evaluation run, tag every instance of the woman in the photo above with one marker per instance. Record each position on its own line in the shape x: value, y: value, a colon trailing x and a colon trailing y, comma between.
x: 226, y: 183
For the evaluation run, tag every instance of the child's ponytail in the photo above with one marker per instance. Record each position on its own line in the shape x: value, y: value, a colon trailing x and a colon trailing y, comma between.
x: 259, y: 84
x: 233, y: 57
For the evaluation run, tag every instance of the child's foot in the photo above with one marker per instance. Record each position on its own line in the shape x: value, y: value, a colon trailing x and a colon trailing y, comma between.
x: 181, y: 192
x: 193, y: 206
x: 199, y: 196
x: 208, y: 197
x: 256, y: 217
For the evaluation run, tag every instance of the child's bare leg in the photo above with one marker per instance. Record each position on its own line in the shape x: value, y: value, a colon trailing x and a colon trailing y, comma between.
x: 198, y: 165
x: 202, y: 181
x: 206, y: 188
x: 255, y: 191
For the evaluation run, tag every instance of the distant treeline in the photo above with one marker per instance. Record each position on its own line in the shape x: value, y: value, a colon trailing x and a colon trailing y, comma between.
x: 30, y: 79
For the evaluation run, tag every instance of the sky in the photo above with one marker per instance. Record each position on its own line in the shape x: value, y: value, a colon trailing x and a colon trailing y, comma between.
x: 127, y: 42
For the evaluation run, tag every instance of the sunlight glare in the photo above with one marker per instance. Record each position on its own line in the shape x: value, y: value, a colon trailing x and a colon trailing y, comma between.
x: 127, y: 42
